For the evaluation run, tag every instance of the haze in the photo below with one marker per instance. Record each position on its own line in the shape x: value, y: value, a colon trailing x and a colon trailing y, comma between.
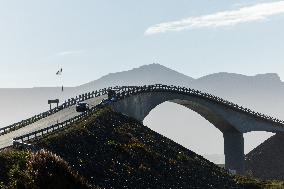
x: 93, y: 38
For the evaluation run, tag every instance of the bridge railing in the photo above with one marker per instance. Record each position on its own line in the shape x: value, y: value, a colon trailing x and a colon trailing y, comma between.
x: 23, y: 139
x: 66, y: 104
x: 189, y: 91
x: 125, y: 91
x: 53, y: 128
x: 69, y: 102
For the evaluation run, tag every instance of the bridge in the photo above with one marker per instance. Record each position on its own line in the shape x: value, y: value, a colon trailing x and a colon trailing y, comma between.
x: 137, y: 101
x: 65, y: 112
x: 232, y: 120
x: 58, y: 115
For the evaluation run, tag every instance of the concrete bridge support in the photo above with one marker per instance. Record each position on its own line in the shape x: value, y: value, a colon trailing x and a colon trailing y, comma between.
x: 234, y: 151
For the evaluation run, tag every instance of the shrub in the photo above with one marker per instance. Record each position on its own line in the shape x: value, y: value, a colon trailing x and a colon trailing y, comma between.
x: 50, y: 171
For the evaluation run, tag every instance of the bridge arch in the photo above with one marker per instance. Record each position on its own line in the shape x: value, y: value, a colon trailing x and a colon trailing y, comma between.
x: 140, y: 105
x: 229, y: 118
x: 188, y: 128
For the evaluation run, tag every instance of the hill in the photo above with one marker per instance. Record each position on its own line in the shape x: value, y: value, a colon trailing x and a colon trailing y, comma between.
x: 110, y: 150
x: 266, y: 160
x: 114, y: 151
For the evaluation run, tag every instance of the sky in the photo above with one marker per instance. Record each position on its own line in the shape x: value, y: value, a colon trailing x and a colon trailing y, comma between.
x: 92, y: 38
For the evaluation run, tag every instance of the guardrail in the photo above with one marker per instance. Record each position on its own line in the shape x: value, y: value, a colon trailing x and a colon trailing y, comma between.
x: 53, y: 128
x: 66, y: 104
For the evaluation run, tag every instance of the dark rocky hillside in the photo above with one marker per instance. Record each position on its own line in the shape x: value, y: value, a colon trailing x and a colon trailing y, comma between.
x: 267, y: 160
x: 114, y: 151
x: 109, y: 150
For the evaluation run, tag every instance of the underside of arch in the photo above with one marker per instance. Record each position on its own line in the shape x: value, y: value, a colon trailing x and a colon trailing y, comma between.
x: 206, y: 113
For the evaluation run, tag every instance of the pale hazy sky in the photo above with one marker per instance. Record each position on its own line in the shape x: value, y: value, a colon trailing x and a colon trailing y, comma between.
x: 91, y: 38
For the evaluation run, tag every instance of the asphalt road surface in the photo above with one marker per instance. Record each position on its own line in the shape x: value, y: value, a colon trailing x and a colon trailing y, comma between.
x: 7, y: 139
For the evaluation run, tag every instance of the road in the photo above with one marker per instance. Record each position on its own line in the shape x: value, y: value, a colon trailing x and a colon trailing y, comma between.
x: 7, y: 139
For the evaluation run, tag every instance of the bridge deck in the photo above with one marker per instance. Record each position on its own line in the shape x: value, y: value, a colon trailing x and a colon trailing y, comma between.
x: 65, y: 114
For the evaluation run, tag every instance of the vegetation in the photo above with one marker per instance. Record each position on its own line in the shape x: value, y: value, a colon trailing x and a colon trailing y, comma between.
x: 12, y: 166
x: 43, y: 169
x: 252, y: 183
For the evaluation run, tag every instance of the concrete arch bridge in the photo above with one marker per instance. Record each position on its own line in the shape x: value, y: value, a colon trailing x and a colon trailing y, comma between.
x: 231, y: 119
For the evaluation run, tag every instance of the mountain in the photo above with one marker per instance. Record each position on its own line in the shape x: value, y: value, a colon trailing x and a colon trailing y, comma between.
x: 262, y: 92
x: 144, y: 75
x: 255, y: 92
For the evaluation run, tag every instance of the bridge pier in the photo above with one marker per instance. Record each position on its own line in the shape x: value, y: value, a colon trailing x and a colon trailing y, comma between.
x: 234, y: 151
